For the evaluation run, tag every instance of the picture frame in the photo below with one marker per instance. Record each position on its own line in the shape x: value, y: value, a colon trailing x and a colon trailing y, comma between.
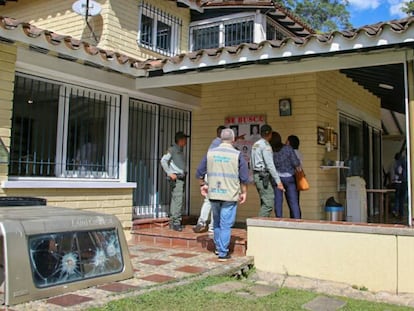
x: 320, y: 136
x: 285, y: 107
x: 335, y: 140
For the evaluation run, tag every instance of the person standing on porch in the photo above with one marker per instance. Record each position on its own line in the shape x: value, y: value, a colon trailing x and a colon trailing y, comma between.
x: 294, y: 142
x: 228, y: 176
x: 399, y: 183
x: 206, y: 207
x: 175, y: 166
x: 286, y: 163
x: 264, y: 170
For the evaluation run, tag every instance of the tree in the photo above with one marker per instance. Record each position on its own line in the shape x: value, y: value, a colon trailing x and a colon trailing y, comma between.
x: 321, y: 15
x: 408, y: 7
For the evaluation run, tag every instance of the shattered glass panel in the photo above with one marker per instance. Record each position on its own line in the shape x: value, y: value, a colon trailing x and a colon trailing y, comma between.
x: 58, y: 258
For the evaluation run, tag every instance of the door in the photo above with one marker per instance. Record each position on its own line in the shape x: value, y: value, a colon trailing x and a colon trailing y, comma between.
x: 151, y: 131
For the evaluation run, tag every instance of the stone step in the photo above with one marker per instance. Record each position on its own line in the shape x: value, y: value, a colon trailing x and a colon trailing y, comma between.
x: 158, y: 234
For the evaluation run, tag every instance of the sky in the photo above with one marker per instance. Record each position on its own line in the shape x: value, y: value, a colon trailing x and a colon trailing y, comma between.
x: 364, y: 12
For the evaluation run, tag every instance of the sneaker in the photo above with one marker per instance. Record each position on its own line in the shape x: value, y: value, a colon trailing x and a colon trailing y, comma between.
x: 178, y: 228
x: 216, y: 252
x: 224, y: 258
x: 199, y: 227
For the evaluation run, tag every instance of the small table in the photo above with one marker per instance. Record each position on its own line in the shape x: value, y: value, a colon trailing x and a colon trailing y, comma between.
x: 384, y: 198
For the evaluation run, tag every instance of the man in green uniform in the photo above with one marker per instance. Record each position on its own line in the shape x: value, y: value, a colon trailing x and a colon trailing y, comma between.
x: 264, y: 171
x: 175, y: 166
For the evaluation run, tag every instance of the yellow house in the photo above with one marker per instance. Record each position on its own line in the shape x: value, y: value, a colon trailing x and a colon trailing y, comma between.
x: 65, y: 99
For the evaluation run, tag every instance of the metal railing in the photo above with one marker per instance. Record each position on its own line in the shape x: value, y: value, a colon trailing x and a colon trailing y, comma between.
x: 63, y: 131
x: 151, y: 131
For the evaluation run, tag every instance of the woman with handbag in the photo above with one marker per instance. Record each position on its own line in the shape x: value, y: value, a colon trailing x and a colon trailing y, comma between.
x: 287, y: 163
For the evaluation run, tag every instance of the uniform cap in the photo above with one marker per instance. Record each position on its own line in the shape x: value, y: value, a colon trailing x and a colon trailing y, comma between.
x: 180, y: 135
x: 265, y: 129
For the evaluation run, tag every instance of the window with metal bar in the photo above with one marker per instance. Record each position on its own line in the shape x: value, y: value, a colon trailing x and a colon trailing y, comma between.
x: 63, y: 131
x: 238, y: 33
x: 229, y: 32
x: 159, y: 31
x: 273, y: 31
x: 151, y: 129
x: 206, y: 38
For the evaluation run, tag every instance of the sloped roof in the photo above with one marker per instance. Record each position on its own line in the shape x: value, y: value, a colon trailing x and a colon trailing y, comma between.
x: 66, y: 47
x: 282, y: 15
x: 377, y: 36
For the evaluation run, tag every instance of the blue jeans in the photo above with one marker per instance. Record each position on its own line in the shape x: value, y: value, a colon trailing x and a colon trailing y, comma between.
x: 292, y: 198
x: 224, y: 214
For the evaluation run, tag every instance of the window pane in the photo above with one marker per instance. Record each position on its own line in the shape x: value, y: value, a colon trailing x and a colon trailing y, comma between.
x: 163, y: 36
x: 206, y: 38
x: 146, y: 30
x: 273, y: 33
x: 34, y: 124
x: 351, y: 148
x: 88, y: 141
x: 238, y: 33
x: 59, y: 258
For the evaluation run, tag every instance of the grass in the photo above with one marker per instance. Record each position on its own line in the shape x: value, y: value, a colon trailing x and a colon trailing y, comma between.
x: 192, y: 297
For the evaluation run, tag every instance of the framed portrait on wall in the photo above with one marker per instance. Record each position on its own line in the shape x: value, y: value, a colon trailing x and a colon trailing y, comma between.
x: 320, y: 135
x: 285, y: 107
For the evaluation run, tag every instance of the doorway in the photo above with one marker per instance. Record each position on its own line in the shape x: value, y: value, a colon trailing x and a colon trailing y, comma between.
x: 151, y: 130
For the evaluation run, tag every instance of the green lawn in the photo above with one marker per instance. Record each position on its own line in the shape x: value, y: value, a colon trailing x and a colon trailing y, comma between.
x: 193, y: 297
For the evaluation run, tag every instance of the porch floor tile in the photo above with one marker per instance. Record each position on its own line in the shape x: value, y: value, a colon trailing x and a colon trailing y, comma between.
x: 117, y: 287
x: 155, y: 262
x: 184, y: 255
x: 191, y: 269
x: 158, y: 278
x: 68, y: 300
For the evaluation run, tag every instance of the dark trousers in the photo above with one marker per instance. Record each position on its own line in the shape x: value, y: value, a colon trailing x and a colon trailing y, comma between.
x: 292, y: 198
x: 400, y: 198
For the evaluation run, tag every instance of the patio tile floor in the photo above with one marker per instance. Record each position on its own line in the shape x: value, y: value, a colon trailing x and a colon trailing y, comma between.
x: 153, y: 266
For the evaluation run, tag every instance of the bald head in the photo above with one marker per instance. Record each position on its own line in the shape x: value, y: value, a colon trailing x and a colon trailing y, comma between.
x: 227, y: 136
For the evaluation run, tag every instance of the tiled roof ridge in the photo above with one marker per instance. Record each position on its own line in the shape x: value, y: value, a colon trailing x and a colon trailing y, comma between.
x: 397, y: 26
x: 132, y: 66
x: 294, y: 17
x: 74, y: 44
x: 271, y: 3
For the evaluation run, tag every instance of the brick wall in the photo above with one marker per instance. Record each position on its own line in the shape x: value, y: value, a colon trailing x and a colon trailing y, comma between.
x: 333, y: 87
x: 117, y: 202
x: 7, y: 65
x: 112, y: 201
x: 116, y: 27
x: 314, y: 102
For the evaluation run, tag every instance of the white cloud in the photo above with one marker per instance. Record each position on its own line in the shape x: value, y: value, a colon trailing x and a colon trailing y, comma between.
x: 361, y: 5
x: 395, y: 8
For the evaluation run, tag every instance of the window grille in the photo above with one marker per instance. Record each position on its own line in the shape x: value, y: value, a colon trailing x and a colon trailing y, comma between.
x: 206, y: 38
x: 63, y: 131
x: 238, y: 33
x: 151, y: 131
x: 159, y: 31
x: 224, y: 33
x: 274, y: 31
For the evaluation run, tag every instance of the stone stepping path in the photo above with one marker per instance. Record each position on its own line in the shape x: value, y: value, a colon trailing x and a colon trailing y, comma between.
x: 323, y: 303
x: 243, y: 289
x: 255, y: 290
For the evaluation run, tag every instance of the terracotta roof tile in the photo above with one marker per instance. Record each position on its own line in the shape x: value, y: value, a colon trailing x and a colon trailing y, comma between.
x: 70, y: 48
x: 100, y: 58
x: 312, y: 44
